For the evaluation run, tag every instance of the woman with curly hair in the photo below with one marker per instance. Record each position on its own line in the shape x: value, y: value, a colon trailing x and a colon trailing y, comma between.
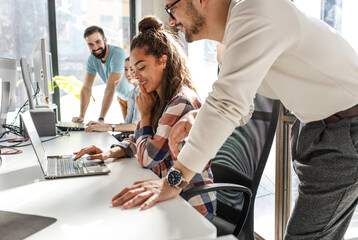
x: 167, y: 93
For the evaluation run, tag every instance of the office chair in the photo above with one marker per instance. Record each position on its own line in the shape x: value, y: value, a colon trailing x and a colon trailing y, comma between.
x: 238, y: 167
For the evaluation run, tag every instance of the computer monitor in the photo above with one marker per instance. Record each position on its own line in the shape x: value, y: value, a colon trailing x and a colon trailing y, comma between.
x: 42, y: 68
x: 27, y: 81
x: 7, y: 91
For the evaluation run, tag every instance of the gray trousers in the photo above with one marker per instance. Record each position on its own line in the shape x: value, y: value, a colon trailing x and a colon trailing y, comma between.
x: 325, y: 159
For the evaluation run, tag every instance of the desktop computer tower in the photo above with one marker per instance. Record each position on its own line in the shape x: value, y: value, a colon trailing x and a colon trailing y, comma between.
x: 51, y: 106
x: 44, y: 120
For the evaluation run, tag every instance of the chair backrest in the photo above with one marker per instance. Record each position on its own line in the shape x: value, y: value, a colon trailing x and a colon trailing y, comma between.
x: 242, y: 159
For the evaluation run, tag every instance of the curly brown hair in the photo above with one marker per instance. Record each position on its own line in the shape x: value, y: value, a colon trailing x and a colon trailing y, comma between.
x: 156, y: 41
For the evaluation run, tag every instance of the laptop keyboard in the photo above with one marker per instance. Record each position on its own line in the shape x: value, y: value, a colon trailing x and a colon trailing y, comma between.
x: 70, y: 126
x: 66, y: 166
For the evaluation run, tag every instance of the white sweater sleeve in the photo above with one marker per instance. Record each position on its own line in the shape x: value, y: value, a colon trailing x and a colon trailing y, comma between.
x: 252, y: 45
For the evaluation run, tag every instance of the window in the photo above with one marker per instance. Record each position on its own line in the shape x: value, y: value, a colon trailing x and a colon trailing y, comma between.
x: 19, y: 36
x: 203, y: 65
x: 73, y: 17
x: 106, y: 22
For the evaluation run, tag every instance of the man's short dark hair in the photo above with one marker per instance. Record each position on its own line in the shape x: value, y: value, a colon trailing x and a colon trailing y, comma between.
x: 92, y: 29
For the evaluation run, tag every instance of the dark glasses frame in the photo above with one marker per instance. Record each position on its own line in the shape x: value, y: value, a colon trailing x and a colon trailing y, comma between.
x: 169, y: 7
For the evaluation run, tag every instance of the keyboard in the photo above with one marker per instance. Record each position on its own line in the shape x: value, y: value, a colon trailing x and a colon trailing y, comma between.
x: 66, y: 166
x: 70, y: 126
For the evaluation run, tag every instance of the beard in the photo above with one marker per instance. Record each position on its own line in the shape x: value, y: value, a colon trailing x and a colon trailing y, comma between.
x: 197, y: 20
x: 102, y: 54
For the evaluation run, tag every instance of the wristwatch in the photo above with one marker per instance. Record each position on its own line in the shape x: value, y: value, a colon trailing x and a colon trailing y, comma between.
x: 113, y: 127
x: 175, y: 179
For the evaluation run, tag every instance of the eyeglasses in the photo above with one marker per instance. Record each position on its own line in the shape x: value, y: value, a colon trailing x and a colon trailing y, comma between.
x: 169, y: 7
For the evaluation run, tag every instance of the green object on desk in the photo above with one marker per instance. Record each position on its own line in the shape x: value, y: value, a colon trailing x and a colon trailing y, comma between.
x: 15, y: 226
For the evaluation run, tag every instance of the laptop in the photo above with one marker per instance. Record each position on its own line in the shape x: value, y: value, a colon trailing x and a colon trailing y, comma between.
x: 60, y: 166
x: 70, y: 126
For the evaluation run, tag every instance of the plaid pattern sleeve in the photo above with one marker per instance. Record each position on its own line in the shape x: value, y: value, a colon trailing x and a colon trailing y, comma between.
x: 206, y: 202
x: 128, y: 145
x: 153, y: 148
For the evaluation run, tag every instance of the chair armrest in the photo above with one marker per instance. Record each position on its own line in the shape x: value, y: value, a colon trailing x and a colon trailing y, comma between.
x: 224, y: 186
x: 213, y: 187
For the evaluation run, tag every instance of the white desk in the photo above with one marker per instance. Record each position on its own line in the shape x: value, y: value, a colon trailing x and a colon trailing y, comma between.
x: 82, y: 205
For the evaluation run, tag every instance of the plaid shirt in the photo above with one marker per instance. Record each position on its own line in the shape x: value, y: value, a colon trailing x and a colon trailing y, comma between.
x: 153, y: 151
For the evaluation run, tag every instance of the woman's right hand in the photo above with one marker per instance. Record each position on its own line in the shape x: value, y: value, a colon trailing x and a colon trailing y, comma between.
x: 93, y: 126
x: 145, y: 101
x: 94, y: 152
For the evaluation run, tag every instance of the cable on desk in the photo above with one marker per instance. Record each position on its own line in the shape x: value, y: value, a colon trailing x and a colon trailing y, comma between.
x: 11, y: 152
x: 17, y: 145
x: 12, y: 147
x: 12, y: 128
x: 3, y: 134
x: 25, y: 104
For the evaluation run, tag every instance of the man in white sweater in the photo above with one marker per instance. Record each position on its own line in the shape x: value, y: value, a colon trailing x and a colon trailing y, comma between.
x: 276, y: 50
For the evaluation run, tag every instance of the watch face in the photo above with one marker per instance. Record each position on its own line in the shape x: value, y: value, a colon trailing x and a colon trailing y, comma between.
x: 174, y: 177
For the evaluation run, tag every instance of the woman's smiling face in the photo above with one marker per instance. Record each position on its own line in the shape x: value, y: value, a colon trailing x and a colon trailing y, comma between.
x: 128, y: 72
x: 148, y: 70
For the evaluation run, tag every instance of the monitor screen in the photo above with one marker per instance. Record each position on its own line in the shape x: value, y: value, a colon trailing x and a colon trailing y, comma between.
x: 27, y: 81
x: 42, y: 67
x: 7, y: 88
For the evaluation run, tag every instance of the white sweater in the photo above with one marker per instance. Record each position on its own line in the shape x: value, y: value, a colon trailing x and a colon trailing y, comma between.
x: 276, y: 50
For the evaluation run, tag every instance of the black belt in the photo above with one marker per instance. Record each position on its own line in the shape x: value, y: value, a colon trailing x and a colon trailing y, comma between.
x: 350, y: 112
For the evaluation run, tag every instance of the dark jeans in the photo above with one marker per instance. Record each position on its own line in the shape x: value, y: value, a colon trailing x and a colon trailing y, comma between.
x: 325, y: 159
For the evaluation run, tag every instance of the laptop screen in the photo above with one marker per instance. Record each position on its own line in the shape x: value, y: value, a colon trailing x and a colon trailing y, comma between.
x: 35, y: 139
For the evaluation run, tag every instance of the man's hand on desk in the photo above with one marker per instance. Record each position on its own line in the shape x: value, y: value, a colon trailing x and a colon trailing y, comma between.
x: 146, y: 193
x: 77, y: 119
x: 93, y: 126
